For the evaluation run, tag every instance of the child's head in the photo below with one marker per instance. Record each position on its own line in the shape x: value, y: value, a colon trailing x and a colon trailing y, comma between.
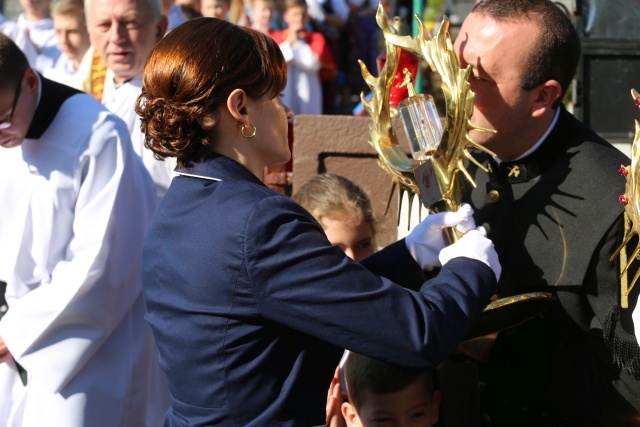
x: 295, y: 14
x: 71, y: 28
x: 262, y: 13
x: 384, y: 395
x: 215, y: 8
x: 343, y: 210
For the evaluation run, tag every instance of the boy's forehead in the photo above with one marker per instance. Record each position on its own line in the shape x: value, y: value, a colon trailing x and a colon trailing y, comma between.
x: 416, y: 392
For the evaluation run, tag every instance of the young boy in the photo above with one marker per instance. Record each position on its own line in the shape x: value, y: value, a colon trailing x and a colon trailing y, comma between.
x: 73, y: 40
x: 381, y: 394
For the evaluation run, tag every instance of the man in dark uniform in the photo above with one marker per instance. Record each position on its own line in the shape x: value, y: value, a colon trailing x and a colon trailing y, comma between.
x: 551, y: 202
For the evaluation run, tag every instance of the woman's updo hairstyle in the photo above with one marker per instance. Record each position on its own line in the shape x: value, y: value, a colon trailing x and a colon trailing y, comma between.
x: 191, y: 72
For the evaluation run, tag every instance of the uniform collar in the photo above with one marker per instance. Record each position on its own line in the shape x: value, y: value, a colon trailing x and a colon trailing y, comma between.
x: 217, y: 167
x: 534, y: 163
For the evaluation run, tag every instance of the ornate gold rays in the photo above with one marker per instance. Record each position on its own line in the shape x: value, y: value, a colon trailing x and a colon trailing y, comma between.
x: 449, y: 158
x: 631, y: 202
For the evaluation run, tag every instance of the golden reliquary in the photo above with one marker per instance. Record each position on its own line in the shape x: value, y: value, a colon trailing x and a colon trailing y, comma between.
x: 439, y: 151
x: 445, y: 160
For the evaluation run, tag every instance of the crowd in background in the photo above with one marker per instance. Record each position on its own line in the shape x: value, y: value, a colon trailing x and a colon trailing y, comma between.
x: 322, y: 41
x: 551, y: 180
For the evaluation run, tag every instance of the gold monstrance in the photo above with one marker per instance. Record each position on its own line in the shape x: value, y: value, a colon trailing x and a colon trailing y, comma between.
x: 448, y: 159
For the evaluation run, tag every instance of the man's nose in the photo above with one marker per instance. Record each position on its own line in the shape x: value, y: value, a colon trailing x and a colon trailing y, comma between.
x: 117, y: 32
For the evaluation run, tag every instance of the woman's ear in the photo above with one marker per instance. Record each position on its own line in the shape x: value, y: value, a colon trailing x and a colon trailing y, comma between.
x: 237, y: 106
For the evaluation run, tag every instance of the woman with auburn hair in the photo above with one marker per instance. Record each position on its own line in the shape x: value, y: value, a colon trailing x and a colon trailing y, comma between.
x: 249, y: 302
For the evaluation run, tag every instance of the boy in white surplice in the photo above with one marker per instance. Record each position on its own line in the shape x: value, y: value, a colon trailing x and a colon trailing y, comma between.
x: 75, y: 203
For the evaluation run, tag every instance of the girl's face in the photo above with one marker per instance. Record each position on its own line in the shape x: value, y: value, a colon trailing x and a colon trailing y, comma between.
x: 215, y: 9
x: 354, y: 237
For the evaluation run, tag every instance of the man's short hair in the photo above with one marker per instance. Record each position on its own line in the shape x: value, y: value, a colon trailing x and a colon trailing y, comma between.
x: 13, y: 63
x: 364, y: 374
x: 558, y: 49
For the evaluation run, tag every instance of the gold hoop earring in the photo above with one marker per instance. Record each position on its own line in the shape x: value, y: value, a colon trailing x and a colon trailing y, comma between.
x: 244, y: 127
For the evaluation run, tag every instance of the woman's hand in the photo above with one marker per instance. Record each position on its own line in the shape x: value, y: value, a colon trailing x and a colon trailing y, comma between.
x: 334, y: 403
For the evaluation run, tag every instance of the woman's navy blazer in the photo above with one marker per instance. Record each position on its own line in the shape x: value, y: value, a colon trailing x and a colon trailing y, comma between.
x: 251, y: 305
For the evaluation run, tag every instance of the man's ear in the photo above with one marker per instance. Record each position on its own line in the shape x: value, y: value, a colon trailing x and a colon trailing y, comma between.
x: 31, y: 80
x: 161, y: 27
x: 544, y: 97
x: 237, y: 106
x: 350, y: 415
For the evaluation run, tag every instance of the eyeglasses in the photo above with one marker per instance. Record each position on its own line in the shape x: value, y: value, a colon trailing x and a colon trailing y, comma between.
x: 7, y: 124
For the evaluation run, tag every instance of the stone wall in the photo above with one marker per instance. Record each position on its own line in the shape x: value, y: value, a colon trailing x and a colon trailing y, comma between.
x: 339, y: 144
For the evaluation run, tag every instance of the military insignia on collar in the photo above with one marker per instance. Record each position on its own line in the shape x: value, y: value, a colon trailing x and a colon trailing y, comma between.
x: 514, y: 171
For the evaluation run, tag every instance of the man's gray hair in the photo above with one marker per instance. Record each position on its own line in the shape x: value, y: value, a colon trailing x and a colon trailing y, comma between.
x: 155, y: 5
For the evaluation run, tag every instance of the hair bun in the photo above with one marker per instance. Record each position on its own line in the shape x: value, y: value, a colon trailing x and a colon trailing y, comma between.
x: 170, y: 128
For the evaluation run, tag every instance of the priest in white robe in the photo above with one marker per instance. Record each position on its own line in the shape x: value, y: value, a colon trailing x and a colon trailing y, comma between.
x: 121, y: 99
x: 75, y: 349
x: 124, y: 51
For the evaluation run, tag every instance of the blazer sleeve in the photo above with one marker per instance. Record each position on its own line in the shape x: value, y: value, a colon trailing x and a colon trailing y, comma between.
x: 303, y: 282
x: 396, y: 264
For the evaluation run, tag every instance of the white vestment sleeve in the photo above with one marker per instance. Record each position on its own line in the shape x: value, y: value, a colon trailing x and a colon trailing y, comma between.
x: 53, y: 330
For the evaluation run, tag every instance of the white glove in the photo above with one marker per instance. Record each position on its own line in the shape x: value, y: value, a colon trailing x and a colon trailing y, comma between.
x: 427, y: 239
x: 474, y: 244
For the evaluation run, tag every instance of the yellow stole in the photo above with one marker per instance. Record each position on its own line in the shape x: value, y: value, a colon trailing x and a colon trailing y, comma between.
x: 98, y: 73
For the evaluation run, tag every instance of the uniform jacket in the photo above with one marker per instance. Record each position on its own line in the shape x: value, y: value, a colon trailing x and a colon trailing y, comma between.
x: 251, y: 306
x: 555, y: 219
